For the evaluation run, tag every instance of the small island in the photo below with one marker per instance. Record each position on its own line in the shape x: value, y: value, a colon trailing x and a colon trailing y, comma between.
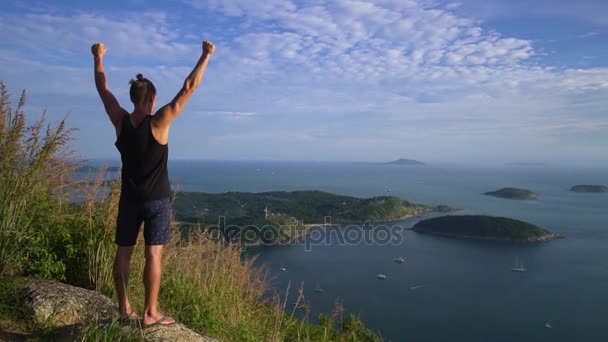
x: 589, y: 188
x: 402, y: 161
x: 513, y: 193
x: 485, y: 228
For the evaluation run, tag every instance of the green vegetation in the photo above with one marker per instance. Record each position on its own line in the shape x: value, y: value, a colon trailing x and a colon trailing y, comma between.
x: 513, y: 193
x: 484, y: 227
x: 207, y: 285
x: 589, y: 188
x: 306, y: 206
x: 288, y: 212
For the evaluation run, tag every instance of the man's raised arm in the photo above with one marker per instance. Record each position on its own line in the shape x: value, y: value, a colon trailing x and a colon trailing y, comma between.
x: 115, y: 112
x: 166, y: 114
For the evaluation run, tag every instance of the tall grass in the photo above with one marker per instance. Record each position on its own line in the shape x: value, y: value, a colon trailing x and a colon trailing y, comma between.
x: 33, y: 168
x: 207, y: 285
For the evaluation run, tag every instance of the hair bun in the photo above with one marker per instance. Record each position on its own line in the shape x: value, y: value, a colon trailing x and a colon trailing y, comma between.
x: 139, y: 77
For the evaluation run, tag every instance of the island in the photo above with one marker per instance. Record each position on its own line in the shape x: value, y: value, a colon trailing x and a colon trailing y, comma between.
x: 527, y: 164
x: 513, y: 193
x: 589, y: 188
x: 485, y: 228
x: 288, y: 215
x: 95, y: 169
x: 402, y: 161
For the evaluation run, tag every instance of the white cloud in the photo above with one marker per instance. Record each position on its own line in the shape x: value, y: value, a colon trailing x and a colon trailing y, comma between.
x: 412, y: 70
x: 588, y: 34
x: 147, y: 36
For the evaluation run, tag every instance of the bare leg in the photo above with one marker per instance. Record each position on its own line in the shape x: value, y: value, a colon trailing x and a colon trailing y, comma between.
x: 122, y: 261
x: 152, y: 276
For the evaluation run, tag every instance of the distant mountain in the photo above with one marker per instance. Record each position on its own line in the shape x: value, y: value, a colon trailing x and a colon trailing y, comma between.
x: 402, y: 161
x: 589, y: 188
x: 527, y: 164
x: 513, y: 193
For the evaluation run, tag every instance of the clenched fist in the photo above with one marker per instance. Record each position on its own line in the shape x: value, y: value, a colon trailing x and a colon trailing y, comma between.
x: 208, y: 48
x: 98, y: 49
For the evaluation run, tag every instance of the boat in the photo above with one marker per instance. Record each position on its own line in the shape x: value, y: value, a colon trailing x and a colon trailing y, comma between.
x: 416, y: 287
x: 381, y: 276
x: 399, y: 260
x: 318, y: 289
x: 548, y: 325
x: 518, y: 267
x: 283, y: 269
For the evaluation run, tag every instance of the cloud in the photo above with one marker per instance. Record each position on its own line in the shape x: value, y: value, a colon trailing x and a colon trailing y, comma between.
x: 62, y: 38
x: 594, y: 12
x: 588, y: 34
x: 339, y: 75
x: 232, y: 115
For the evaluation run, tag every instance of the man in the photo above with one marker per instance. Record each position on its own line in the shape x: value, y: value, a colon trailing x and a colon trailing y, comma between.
x: 142, y: 139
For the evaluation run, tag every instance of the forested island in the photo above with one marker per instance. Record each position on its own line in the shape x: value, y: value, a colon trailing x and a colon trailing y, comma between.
x: 589, y: 188
x: 513, y: 193
x: 309, y: 207
x: 485, y: 228
x: 290, y: 214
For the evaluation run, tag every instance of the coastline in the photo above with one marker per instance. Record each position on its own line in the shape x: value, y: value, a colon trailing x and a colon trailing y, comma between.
x: 538, y: 240
x: 311, y: 227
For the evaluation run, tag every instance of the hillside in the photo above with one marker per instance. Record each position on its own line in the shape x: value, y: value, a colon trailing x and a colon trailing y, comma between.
x: 306, y: 206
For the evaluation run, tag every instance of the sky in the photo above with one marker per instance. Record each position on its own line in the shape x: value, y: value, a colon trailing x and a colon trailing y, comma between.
x: 351, y: 80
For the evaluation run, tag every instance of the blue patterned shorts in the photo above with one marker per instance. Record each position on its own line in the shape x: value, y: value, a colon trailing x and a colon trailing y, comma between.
x: 155, y: 215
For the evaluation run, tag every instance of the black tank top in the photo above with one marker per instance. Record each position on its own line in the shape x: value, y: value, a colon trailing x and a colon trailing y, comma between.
x: 144, y: 162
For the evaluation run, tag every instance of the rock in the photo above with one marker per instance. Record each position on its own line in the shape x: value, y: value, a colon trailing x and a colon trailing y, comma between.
x: 56, y: 304
x: 67, y: 308
x: 174, y: 332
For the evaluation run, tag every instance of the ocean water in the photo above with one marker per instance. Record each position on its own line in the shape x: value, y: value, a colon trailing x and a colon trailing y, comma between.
x: 447, y: 289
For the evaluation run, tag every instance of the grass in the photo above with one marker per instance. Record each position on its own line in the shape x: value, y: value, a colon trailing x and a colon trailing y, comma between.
x: 55, y: 227
x: 12, y: 316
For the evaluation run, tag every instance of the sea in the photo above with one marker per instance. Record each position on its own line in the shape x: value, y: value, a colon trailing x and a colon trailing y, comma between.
x: 447, y: 289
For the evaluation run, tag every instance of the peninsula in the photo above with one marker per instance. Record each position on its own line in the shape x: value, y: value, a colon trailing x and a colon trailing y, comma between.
x: 286, y: 216
x: 513, y: 193
x: 310, y: 207
x: 485, y: 228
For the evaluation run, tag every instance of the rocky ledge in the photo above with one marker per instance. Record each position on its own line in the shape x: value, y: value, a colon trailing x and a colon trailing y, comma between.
x: 67, y: 309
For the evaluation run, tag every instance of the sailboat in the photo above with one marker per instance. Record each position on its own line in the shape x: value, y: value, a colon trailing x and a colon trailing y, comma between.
x: 517, y: 267
x: 318, y: 289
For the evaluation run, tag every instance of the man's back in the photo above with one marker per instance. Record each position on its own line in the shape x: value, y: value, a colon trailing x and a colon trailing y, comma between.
x: 144, y: 162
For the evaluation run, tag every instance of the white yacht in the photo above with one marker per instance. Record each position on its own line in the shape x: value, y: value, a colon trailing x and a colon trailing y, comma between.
x: 518, y: 267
